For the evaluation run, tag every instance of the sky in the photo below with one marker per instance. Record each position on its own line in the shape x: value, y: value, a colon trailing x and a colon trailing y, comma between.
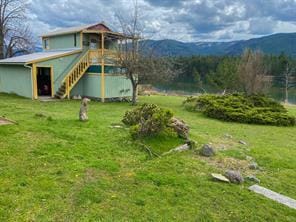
x: 187, y: 20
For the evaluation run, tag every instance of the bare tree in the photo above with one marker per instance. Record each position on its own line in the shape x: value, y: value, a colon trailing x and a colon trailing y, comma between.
x: 139, y: 63
x: 287, y: 80
x: 252, y: 72
x: 15, y: 36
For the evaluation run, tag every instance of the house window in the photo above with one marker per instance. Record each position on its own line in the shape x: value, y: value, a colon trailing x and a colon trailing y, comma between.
x: 46, y: 43
x: 93, y: 44
x: 75, y: 40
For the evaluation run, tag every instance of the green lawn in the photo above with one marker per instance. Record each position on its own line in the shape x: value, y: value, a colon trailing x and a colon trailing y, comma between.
x: 55, y: 168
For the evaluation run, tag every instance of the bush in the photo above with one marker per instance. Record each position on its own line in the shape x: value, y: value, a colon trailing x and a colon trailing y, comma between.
x: 256, y: 109
x: 147, y: 120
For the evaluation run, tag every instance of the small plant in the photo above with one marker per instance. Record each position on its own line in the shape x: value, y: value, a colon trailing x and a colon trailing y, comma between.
x: 147, y: 120
x: 256, y: 109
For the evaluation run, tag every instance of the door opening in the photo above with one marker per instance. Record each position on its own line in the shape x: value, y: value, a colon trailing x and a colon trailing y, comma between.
x: 44, y: 81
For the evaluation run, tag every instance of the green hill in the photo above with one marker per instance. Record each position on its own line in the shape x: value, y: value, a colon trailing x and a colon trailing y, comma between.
x: 273, y: 44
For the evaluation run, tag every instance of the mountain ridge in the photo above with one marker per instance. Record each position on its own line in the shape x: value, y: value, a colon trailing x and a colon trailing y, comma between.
x: 271, y: 44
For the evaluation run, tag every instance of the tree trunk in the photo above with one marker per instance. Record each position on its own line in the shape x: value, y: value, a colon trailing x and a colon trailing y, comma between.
x: 286, y: 90
x: 134, y: 98
x: 1, y: 45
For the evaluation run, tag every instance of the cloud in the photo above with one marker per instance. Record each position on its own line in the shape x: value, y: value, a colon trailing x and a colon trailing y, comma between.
x: 190, y: 20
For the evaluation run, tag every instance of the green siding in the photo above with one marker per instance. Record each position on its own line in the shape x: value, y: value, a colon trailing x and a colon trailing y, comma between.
x: 92, y: 86
x: 16, y: 79
x: 78, y: 88
x: 89, y: 85
x: 64, y: 41
x: 117, y: 86
x: 61, y: 67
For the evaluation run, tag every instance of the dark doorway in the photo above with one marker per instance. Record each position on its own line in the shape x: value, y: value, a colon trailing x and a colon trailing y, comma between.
x: 44, y: 81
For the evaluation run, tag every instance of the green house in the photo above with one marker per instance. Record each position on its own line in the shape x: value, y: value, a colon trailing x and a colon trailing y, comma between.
x: 78, y: 61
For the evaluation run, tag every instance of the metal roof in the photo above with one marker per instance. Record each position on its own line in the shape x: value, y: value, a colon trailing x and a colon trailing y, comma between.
x: 38, y: 56
x: 97, y: 26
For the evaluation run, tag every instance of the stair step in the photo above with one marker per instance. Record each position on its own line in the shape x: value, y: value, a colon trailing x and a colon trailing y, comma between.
x: 60, y: 94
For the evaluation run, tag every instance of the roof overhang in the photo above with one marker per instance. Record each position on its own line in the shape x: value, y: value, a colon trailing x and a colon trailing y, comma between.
x: 97, y: 28
x: 38, y: 57
x: 53, y: 57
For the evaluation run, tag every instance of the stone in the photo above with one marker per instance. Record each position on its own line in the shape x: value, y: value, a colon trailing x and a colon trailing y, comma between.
x: 181, y: 148
x: 84, y: 109
x: 228, y: 136
x: 274, y: 196
x: 234, y: 176
x: 207, y: 150
x: 223, y: 147
x: 4, y: 121
x: 191, y: 143
x: 116, y: 126
x: 242, y: 142
x: 249, y: 158
x: 77, y: 97
x: 253, y: 179
x: 180, y: 127
x: 253, y: 166
x: 220, y: 177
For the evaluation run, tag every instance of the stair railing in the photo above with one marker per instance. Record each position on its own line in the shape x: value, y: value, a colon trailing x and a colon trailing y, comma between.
x: 76, y: 73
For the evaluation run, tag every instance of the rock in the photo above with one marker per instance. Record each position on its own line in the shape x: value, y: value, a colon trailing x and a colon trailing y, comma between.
x: 180, y: 127
x: 77, y: 97
x: 228, y: 136
x: 234, y: 176
x: 253, y: 179
x: 178, y: 149
x: 83, y: 110
x: 223, y: 147
x: 249, y: 158
x: 207, y: 151
x: 253, y: 166
x: 220, y: 177
x: 274, y: 196
x: 116, y: 127
x: 242, y: 142
x: 191, y: 143
x: 182, y: 148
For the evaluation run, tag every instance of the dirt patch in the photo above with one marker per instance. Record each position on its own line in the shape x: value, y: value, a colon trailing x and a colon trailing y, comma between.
x: 230, y: 163
x: 4, y: 121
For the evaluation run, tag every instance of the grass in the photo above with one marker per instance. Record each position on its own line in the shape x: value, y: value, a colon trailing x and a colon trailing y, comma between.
x: 55, y: 168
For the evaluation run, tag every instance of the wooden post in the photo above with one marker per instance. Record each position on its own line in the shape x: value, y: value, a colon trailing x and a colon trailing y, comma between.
x: 52, y: 81
x: 103, y: 69
x: 34, y: 76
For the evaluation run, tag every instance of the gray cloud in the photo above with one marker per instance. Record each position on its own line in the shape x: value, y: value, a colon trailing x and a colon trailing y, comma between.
x: 189, y: 20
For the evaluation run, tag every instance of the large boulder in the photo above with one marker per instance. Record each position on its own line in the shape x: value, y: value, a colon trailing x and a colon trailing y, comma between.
x: 253, y: 166
x: 234, y: 176
x: 180, y: 127
x: 207, y: 151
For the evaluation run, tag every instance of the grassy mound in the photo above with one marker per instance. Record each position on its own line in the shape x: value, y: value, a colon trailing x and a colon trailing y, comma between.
x: 256, y: 109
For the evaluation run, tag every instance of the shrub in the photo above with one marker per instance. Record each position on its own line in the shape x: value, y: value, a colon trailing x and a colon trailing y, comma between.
x: 147, y: 120
x: 256, y: 109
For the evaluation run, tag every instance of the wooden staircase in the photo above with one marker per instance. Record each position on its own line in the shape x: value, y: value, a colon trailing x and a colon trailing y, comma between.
x: 73, y: 76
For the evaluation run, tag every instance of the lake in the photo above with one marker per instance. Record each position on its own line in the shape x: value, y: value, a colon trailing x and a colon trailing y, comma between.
x: 190, y: 89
